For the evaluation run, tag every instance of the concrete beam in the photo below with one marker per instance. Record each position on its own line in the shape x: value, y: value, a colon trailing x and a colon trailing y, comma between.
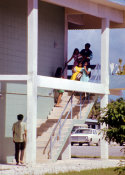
x: 91, y: 8
x: 71, y: 85
x: 115, y: 92
x: 13, y: 77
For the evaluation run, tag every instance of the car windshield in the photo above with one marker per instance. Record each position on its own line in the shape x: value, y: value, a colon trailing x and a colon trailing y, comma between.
x: 84, y: 131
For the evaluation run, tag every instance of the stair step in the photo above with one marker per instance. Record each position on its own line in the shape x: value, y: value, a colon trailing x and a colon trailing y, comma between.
x: 41, y: 160
x: 45, y: 128
x: 48, y: 134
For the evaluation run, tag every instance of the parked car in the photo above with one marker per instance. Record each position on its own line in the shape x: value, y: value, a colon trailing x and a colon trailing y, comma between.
x: 85, y: 135
x: 78, y: 126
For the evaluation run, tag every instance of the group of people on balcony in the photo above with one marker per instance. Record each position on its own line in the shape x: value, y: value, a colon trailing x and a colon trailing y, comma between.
x: 81, y: 70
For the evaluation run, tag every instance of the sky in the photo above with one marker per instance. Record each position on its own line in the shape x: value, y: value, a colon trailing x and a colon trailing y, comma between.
x: 78, y: 38
x: 122, y: 2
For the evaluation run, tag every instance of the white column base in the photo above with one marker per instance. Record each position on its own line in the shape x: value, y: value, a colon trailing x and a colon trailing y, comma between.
x: 66, y: 152
x: 104, y: 144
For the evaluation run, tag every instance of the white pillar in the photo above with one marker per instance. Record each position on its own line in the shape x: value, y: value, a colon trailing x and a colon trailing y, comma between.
x: 66, y: 41
x: 66, y: 152
x: 104, y: 76
x: 104, y: 143
x: 32, y: 57
x: 105, y: 53
x: 4, y: 145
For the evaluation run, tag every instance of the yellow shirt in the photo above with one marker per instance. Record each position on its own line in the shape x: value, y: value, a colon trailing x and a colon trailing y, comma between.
x: 77, y: 69
x: 19, y: 129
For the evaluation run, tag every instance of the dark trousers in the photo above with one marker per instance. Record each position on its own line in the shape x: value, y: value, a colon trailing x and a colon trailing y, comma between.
x: 19, y: 146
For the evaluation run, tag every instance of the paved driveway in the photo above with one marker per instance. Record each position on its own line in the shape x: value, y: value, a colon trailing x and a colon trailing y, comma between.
x: 95, y: 150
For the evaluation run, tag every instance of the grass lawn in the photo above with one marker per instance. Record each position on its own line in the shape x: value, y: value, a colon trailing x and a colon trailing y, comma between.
x: 110, y: 157
x: 106, y: 171
x: 103, y: 171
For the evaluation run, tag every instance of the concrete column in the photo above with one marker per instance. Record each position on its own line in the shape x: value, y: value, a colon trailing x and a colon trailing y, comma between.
x: 65, y: 41
x: 3, y: 146
x: 32, y: 57
x: 105, y: 53
x: 66, y: 152
x: 104, y: 76
x: 104, y: 144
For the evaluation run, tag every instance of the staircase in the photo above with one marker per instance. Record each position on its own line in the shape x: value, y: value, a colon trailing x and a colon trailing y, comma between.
x: 45, y: 128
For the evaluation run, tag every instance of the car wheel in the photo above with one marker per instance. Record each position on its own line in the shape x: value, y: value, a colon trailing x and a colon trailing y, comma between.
x: 90, y: 142
x: 80, y: 144
x: 121, y: 144
x: 97, y: 144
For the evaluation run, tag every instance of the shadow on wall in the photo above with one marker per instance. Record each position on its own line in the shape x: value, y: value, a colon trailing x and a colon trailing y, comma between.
x: 8, y: 150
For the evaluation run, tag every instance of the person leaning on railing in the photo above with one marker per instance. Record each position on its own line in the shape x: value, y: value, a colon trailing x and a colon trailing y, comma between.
x: 77, y: 72
x: 85, y: 73
x: 76, y: 57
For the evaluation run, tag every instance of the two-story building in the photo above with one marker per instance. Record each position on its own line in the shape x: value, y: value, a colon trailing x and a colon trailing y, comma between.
x: 33, y: 43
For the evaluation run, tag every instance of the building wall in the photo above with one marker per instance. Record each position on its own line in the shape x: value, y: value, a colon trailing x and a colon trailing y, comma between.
x: 13, y: 37
x: 51, y: 38
x: 16, y: 103
x: 13, y: 102
x: 13, y: 41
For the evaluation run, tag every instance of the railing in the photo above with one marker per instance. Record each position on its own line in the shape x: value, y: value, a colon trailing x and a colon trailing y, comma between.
x: 61, y: 124
x: 95, y: 73
x: 96, y: 78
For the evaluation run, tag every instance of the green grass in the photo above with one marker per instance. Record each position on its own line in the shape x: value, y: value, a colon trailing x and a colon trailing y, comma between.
x: 97, y: 157
x: 106, y: 171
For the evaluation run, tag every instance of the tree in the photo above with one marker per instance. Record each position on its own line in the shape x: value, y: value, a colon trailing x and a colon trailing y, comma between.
x: 95, y: 111
x: 114, y: 117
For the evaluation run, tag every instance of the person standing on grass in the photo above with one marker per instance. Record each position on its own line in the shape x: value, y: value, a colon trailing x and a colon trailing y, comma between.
x: 19, y: 138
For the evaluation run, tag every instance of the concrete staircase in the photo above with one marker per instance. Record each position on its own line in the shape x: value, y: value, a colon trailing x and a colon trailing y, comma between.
x: 45, y: 128
x: 55, y: 113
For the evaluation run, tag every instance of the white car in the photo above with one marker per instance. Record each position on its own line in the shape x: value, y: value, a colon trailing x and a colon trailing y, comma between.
x: 85, y: 135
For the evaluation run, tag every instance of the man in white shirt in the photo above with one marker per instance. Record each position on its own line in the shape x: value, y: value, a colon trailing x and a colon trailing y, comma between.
x: 19, y: 138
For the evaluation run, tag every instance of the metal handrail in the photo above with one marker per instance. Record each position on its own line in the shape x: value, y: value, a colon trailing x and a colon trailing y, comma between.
x: 58, y: 134
x: 59, y: 122
x: 70, y: 111
x: 62, y: 114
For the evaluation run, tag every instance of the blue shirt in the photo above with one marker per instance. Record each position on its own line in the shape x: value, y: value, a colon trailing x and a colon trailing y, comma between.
x: 85, y: 76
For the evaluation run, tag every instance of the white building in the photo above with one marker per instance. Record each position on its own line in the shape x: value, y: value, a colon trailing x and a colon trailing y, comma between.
x: 33, y: 43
